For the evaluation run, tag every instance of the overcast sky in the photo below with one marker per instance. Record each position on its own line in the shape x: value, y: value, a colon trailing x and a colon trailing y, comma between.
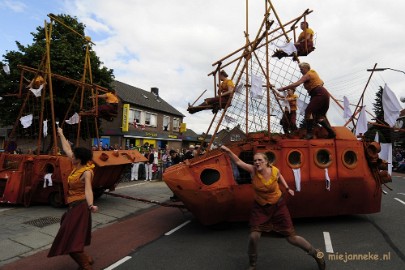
x: 172, y: 44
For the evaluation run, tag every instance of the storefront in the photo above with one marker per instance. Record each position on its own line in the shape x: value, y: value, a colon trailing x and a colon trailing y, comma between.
x: 152, y: 139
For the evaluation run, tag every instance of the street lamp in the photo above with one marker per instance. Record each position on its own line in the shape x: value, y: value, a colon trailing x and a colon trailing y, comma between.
x: 402, y: 99
x: 382, y: 69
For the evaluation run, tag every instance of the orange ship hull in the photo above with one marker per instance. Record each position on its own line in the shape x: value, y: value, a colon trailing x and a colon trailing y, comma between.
x: 22, y: 176
x: 331, y: 177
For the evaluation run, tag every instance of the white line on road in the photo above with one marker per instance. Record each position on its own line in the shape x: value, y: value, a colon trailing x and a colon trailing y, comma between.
x: 401, y: 201
x: 4, y: 209
x: 401, y: 193
x: 178, y: 227
x: 118, y: 263
x: 328, y: 242
x: 137, y: 184
x: 385, y: 192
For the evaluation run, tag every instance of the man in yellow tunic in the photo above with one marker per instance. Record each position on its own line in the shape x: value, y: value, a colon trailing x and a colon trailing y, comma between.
x: 110, y: 108
x: 225, y: 90
x: 305, y: 42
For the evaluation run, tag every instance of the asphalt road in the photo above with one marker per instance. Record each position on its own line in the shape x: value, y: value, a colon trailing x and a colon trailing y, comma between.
x: 349, y: 242
x: 133, y: 235
x: 28, y: 231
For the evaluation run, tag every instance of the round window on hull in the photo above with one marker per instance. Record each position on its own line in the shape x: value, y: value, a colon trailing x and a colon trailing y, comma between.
x: 349, y: 159
x: 209, y: 176
x: 323, y: 158
x: 294, y: 159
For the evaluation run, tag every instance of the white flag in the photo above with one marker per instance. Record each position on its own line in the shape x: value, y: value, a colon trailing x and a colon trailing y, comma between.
x: 256, y: 90
x: 37, y: 92
x: 288, y: 48
x: 302, y: 106
x: 391, y: 106
x: 347, y: 113
x: 361, y: 126
x: 238, y: 88
x: 6, y: 69
x: 327, y: 179
x: 75, y: 119
x: 26, y: 121
x: 45, y: 127
x: 376, y: 138
x: 386, y: 154
x: 286, y: 104
x: 297, y: 178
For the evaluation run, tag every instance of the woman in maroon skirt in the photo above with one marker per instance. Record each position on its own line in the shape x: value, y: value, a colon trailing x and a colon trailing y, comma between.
x: 270, y: 212
x: 75, y: 228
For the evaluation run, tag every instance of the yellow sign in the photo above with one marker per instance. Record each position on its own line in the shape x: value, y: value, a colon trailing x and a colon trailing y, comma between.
x: 183, y: 127
x: 150, y: 134
x: 125, y: 118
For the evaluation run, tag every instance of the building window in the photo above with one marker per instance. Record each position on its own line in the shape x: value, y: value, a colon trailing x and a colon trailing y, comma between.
x: 166, y: 123
x: 176, y: 124
x: 135, y: 115
x: 235, y: 137
x: 150, y: 119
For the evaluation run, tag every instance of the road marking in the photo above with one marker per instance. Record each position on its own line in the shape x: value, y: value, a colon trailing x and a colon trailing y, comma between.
x: 4, y: 209
x: 137, y: 184
x: 328, y: 242
x: 118, y: 263
x: 178, y: 227
x: 401, y: 193
x: 385, y: 192
x: 401, y: 201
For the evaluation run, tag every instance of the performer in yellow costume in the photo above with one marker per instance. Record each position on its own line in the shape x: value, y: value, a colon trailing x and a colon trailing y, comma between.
x: 75, y: 229
x: 270, y: 212
x: 305, y: 42
x: 225, y: 90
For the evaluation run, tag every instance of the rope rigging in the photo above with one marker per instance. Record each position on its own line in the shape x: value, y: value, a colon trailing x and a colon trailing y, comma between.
x: 145, y: 200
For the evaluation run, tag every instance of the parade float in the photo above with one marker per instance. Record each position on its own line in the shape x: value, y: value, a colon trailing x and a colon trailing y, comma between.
x: 40, y: 175
x: 331, y: 176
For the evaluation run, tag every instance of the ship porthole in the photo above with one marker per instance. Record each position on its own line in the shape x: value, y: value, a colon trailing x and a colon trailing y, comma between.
x: 294, y: 159
x: 323, y: 158
x: 209, y: 176
x: 349, y: 159
x: 271, y: 156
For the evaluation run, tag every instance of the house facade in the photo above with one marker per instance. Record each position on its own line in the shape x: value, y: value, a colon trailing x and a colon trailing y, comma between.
x: 227, y: 135
x: 144, y: 119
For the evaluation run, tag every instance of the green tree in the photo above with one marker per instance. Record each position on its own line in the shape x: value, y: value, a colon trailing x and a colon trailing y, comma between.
x: 383, y: 132
x: 67, y: 58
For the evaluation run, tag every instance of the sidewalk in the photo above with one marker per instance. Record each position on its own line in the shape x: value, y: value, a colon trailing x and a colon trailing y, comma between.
x: 27, y: 231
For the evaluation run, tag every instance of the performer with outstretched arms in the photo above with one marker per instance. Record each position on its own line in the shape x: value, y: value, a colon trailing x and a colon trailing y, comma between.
x: 269, y: 211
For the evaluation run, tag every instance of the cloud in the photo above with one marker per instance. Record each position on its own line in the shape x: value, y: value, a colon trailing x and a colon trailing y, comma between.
x: 15, y: 6
x: 173, y: 44
x: 149, y: 42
